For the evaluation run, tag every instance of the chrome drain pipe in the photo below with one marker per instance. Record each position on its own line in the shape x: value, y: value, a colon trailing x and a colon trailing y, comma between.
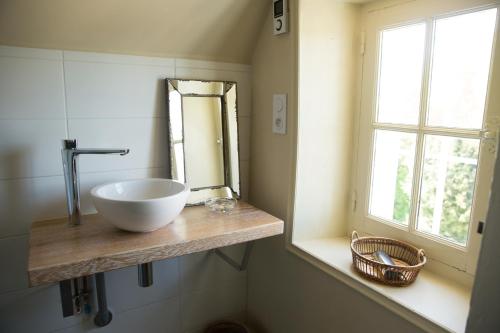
x: 103, y: 316
x: 145, y: 274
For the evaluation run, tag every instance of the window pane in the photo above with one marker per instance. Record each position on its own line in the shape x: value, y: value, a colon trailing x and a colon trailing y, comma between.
x: 390, y: 195
x: 448, y: 179
x: 400, y: 75
x: 460, y: 68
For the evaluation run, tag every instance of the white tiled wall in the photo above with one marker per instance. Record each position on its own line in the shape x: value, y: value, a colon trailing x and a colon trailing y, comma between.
x: 103, y: 100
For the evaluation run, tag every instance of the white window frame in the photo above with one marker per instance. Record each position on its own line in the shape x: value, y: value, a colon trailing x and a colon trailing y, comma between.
x: 464, y: 258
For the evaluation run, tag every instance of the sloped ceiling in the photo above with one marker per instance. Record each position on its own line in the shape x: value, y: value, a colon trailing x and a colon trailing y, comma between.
x: 220, y: 30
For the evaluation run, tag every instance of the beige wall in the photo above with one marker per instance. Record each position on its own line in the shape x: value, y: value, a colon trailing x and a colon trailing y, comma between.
x: 222, y: 30
x: 328, y: 48
x: 285, y: 293
x: 272, y: 155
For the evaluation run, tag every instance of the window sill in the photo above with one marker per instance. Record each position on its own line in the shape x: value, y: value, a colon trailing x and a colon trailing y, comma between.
x: 432, y: 302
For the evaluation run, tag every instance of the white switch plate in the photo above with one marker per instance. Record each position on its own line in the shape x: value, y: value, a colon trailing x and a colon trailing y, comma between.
x: 279, y: 113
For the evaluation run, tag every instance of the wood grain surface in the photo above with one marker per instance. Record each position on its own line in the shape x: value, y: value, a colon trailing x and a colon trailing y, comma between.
x: 59, y: 251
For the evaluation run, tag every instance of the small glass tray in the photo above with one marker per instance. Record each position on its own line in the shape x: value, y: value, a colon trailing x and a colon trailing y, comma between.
x: 221, y: 205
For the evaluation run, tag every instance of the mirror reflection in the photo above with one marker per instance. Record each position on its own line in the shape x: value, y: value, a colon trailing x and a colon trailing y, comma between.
x: 203, y: 137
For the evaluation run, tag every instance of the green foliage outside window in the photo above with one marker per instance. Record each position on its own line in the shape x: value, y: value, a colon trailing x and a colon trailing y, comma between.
x: 402, y: 199
x: 458, y: 189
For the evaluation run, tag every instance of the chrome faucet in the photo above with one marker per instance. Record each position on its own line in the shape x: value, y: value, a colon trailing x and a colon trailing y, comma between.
x: 70, y: 155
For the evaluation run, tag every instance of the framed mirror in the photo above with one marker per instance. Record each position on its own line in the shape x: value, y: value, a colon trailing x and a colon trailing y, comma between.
x: 203, y: 137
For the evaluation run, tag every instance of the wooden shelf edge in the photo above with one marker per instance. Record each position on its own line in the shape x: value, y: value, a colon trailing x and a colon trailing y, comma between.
x: 40, y: 274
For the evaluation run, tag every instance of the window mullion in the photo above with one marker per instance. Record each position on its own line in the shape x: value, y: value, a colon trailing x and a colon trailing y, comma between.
x: 424, y: 103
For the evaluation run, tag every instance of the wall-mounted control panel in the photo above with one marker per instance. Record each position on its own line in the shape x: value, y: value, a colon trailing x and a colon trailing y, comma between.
x: 279, y: 113
x: 280, y: 14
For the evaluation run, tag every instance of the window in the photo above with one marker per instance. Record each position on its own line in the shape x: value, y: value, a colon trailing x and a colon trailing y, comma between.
x: 424, y: 132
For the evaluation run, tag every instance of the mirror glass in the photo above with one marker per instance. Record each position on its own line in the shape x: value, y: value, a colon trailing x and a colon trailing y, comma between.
x: 203, y: 137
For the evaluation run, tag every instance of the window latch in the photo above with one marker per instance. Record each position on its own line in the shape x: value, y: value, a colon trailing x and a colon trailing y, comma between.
x: 354, y: 201
x: 480, y: 227
x: 490, y: 134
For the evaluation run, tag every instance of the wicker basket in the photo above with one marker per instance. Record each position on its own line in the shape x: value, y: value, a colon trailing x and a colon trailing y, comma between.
x: 407, y: 258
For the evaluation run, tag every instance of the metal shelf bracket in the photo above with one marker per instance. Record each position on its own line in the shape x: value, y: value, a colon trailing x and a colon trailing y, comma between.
x: 244, y: 261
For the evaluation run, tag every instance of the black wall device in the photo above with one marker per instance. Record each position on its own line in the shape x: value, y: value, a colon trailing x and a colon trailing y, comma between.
x: 280, y: 13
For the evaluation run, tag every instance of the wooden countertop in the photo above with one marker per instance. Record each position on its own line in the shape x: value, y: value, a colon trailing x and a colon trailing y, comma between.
x: 60, y: 252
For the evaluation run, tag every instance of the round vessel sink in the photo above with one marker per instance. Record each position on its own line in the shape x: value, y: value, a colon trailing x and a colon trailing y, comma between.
x: 140, y: 205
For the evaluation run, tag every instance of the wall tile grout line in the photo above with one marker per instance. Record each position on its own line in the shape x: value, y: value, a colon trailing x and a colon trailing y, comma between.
x: 13, y: 291
x: 29, y: 58
x: 31, y: 119
x: 222, y: 69
x: 34, y: 289
x: 14, y: 236
x: 163, y: 300
x: 86, y: 173
x: 65, y: 96
x: 115, y: 118
x: 124, y: 63
x: 216, y: 66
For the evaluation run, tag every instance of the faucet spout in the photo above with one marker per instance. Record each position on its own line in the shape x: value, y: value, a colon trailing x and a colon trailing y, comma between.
x: 70, y: 154
x: 97, y: 151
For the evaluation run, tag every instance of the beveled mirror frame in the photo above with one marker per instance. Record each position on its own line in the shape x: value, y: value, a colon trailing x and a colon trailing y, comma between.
x: 228, y: 189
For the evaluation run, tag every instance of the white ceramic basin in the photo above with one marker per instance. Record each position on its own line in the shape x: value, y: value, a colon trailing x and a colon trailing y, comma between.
x: 140, y: 205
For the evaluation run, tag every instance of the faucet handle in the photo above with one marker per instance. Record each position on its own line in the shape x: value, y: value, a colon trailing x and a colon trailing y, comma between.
x: 69, y: 143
